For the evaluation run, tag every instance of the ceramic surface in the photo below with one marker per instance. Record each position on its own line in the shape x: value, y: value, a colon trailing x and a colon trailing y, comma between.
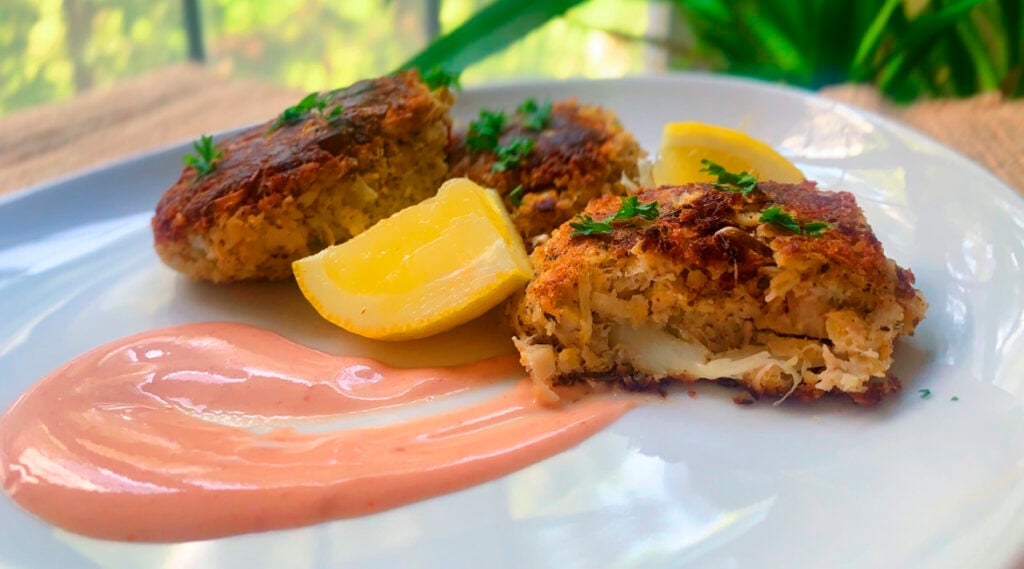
x: 686, y: 482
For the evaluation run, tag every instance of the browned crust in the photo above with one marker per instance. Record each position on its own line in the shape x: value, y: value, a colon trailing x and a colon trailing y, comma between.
x: 263, y: 169
x: 582, y: 153
x: 686, y: 234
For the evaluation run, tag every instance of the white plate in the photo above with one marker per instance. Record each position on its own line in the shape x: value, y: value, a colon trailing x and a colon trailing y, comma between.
x: 684, y: 483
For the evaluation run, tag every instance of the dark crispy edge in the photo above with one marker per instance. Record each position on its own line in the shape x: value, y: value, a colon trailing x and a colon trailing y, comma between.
x: 582, y: 149
x: 631, y: 380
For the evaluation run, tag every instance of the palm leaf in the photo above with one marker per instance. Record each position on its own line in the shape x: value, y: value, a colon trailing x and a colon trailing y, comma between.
x: 860, y: 68
x: 921, y: 36
x: 487, y: 32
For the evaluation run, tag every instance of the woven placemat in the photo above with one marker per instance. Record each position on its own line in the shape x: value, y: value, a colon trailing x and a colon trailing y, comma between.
x: 987, y: 128
x: 183, y: 101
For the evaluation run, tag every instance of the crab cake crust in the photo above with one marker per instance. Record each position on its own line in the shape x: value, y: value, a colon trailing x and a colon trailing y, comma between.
x: 708, y: 291
x: 281, y: 194
x: 582, y: 153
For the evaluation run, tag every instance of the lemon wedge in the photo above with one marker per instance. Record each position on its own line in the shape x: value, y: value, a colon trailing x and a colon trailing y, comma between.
x: 424, y: 270
x: 685, y: 144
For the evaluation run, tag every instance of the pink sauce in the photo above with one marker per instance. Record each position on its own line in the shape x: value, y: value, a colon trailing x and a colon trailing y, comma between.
x: 118, y: 443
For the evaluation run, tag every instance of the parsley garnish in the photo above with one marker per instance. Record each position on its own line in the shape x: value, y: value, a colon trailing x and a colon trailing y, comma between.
x: 515, y: 197
x: 512, y: 154
x: 776, y: 216
x: 728, y: 181
x: 954, y: 398
x: 629, y: 208
x: 438, y: 77
x: 925, y: 393
x: 313, y: 102
x: 484, y: 132
x: 535, y: 117
x: 587, y: 226
x: 206, y: 157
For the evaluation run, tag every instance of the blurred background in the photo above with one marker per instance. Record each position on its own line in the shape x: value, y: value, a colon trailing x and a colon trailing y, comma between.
x: 911, y: 49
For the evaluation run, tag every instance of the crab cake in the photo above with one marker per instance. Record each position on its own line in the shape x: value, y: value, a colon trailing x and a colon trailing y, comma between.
x: 708, y: 290
x: 324, y: 171
x: 575, y: 153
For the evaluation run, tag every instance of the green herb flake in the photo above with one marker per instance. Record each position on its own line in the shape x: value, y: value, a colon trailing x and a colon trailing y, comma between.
x: 535, y: 116
x: 515, y: 197
x: 925, y: 393
x: 206, y: 156
x: 742, y: 182
x: 954, y: 398
x: 438, y: 77
x: 484, y: 132
x: 776, y: 216
x: 512, y: 154
x: 335, y: 113
x: 629, y: 208
x: 311, y: 103
x: 587, y: 226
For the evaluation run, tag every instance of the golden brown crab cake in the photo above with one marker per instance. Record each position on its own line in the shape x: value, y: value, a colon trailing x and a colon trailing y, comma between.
x: 279, y: 194
x: 579, y: 153
x: 707, y: 290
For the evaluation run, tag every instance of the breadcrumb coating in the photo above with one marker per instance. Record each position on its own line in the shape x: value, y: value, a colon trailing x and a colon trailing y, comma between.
x: 281, y: 194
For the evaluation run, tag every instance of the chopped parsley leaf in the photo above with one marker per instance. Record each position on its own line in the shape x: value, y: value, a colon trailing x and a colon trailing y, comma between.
x: 335, y: 113
x: 485, y: 131
x: 587, y: 226
x: 925, y: 393
x: 515, y: 197
x: 512, y: 154
x: 629, y: 208
x: 313, y: 102
x: 776, y: 216
x: 535, y: 117
x: 742, y: 182
x: 954, y: 398
x: 438, y: 77
x: 206, y: 157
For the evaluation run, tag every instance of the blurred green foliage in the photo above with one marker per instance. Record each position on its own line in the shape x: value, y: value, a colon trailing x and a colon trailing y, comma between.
x: 52, y: 49
x: 908, y: 48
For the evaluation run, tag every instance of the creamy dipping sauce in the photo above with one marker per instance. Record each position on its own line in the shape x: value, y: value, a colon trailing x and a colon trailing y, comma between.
x: 141, y: 439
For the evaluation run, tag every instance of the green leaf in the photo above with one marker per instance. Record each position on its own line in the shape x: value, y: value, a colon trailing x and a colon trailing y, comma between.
x: 437, y: 77
x: 487, y: 32
x: 741, y: 182
x: 776, y: 216
x: 485, y: 130
x: 512, y: 154
x: 585, y: 225
x: 859, y: 68
x: 629, y: 207
x: 207, y: 156
x: 515, y: 197
x: 920, y: 37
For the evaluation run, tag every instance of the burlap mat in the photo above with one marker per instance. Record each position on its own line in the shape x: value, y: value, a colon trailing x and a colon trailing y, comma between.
x: 184, y: 101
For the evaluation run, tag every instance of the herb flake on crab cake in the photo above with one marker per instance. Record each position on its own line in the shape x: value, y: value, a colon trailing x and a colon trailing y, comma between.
x: 547, y: 160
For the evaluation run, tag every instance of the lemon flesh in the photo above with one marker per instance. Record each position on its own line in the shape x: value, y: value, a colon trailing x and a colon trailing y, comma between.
x: 424, y: 270
x: 685, y: 144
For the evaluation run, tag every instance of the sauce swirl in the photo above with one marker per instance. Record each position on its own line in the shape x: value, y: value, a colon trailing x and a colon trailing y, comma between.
x: 144, y: 439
